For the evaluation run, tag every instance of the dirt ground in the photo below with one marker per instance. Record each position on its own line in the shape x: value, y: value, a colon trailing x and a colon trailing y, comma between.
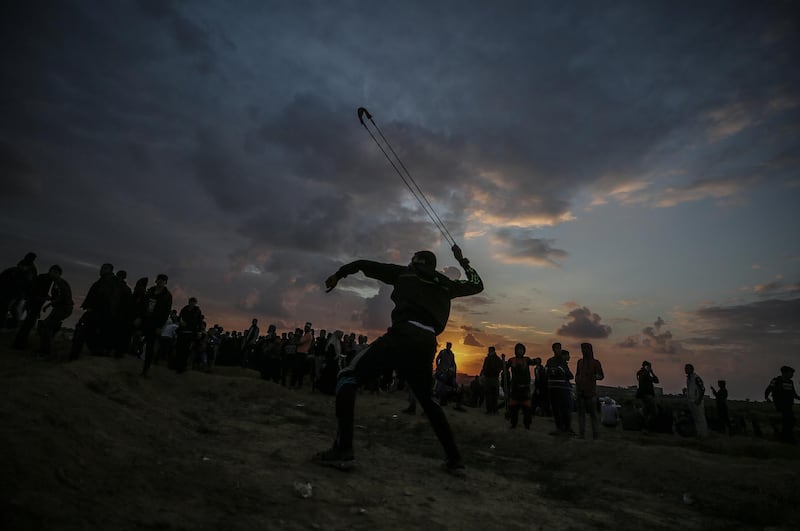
x: 92, y: 445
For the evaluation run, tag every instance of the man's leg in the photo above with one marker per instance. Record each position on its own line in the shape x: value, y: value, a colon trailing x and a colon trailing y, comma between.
x: 420, y: 383
x: 367, y: 363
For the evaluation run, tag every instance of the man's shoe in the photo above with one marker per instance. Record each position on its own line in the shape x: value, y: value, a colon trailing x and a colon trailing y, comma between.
x: 335, y: 458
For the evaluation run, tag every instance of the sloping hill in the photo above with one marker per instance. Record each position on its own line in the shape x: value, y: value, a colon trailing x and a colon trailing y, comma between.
x: 91, y: 445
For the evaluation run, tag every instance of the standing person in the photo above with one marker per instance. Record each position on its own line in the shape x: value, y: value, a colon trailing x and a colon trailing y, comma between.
x: 62, y: 304
x: 123, y: 326
x: 422, y: 307
x: 560, y: 389
x: 153, y: 314
x: 304, y: 362
x: 476, y: 392
x: 587, y: 374
x: 166, y: 340
x: 190, y: 327
x: 139, y: 293
x: 646, y: 392
x: 15, y: 284
x: 492, y: 365
x: 445, y: 373
x: 721, y: 399
x: 519, y: 387
x: 249, y: 342
x: 38, y: 294
x: 541, y: 398
x: 695, y: 392
x: 783, y: 395
x: 96, y: 325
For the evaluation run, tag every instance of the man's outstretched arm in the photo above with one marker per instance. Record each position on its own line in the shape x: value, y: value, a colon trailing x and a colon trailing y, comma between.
x: 386, y: 273
x: 473, y: 284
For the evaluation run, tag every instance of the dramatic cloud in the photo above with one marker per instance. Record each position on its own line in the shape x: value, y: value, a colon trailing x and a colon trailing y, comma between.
x: 584, y: 325
x: 472, y: 341
x: 517, y: 246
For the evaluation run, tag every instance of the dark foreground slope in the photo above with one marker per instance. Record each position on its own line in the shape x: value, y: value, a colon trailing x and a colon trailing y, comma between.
x: 91, y: 445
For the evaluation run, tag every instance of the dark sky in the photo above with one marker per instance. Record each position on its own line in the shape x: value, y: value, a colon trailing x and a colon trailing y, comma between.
x: 608, y: 167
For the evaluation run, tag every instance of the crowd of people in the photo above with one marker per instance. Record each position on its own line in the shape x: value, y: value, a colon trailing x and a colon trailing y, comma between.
x: 119, y: 320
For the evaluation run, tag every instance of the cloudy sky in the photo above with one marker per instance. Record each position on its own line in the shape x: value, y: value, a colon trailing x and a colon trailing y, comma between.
x: 624, y: 173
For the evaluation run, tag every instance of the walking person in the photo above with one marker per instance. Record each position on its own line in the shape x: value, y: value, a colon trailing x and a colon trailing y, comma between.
x: 422, y: 307
x: 588, y: 372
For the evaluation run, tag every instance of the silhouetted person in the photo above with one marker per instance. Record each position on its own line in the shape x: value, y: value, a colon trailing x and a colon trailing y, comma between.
x: 445, y: 373
x: 587, y: 373
x: 422, y: 307
x: 541, y: 395
x: 476, y: 392
x: 721, y: 399
x: 560, y: 389
x: 647, y: 393
x: 519, y: 387
x: 61, y: 307
x: 248, y: 342
x: 96, y: 326
x: 695, y: 393
x: 38, y: 294
x: 783, y: 393
x: 190, y: 325
x: 153, y: 315
x: 138, y: 302
x: 492, y: 366
x: 15, y: 285
x: 123, y: 321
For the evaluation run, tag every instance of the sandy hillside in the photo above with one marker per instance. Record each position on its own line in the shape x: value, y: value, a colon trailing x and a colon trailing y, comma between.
x: 91, y: 445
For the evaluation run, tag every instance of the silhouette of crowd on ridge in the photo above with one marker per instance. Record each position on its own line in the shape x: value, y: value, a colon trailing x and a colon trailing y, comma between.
x: 118, y: 320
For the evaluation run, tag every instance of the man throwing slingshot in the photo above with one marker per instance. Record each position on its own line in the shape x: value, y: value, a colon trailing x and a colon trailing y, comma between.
x: 422, y: 306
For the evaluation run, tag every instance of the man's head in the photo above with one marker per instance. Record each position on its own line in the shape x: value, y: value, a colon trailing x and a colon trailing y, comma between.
x: 55, y: 271
x: 492, y: 351
x: 646, y: 365
x: 721, y: 384
x: 106, y: 269
x: 586, y: 350
x: 423, y: 262
x: 122, y: 275
x: 161, y: 280
x: 787, y: 371
x: 565, y: 355
x: 192, y: 301
x: 556, y: 348
x: 449, y: 345
x: 255, y: 322
x: 519, y: 350
x: 688, y: 368
x: 307, y: 327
